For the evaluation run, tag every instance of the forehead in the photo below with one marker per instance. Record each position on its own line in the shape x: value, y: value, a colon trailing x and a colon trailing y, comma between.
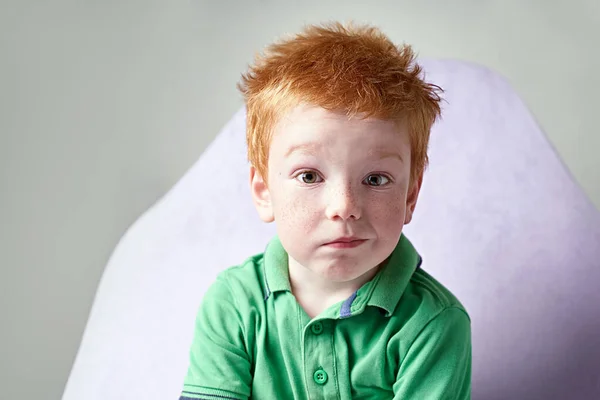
x: 316, y: 126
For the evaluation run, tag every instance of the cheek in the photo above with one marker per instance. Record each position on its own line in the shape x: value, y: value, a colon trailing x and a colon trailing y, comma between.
x: 297, y: 210
x: 388, y: 213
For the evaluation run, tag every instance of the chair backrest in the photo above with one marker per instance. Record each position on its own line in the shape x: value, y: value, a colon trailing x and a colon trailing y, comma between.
x: 500, y: 221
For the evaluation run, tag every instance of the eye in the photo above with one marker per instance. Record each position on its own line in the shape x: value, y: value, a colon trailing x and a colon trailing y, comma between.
x: 376, y: 180
x: 309, y: 177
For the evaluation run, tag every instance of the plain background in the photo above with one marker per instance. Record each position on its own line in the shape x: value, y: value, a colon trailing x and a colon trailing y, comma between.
x: 105, y: 104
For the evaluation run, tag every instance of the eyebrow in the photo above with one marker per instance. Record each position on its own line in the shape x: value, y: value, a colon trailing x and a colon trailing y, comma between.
x: 381, y: 154
x: 309, y: 148
x: 312, y: 148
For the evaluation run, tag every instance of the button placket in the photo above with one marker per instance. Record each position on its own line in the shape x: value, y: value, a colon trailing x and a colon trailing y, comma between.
x: 319, y: 364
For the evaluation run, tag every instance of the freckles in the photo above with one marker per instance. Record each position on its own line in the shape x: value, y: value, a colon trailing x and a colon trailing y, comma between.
x: 394, y: 205
x: 389, y: 210
x: 302, y: 214
x: 398, y: 206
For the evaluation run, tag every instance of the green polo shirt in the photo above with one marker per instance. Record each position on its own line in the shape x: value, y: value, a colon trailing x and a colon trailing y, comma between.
x: 402, y: 335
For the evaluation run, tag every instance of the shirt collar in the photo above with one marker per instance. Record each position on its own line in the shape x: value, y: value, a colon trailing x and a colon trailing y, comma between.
x: 383, y: 291
x: 277, y: 275
x: 388, y: 286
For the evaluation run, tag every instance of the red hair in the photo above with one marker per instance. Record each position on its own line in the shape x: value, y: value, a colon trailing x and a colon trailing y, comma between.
x: 348, y: 68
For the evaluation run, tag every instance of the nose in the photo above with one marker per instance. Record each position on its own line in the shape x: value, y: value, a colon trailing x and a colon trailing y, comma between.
x: 343, y: 202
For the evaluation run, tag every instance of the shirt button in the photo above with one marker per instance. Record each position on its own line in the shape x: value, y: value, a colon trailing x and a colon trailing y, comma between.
x: 320, y: 377
x: 317, y: 328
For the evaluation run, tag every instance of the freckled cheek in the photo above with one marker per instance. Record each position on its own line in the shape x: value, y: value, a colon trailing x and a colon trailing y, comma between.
x: 300, y: 212
x: 387, y: 213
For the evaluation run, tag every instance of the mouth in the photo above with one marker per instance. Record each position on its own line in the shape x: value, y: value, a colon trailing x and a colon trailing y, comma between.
x: 345, y: 243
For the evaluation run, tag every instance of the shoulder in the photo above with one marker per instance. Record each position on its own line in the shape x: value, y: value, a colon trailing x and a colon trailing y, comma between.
x: 434, y: 344
x: 245, y: 282
x: 234, y: 302
x: 425, y: 300
x: 433, y: 295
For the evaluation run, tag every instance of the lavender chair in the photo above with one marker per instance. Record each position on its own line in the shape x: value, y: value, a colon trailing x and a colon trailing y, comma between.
x: 500, y: 221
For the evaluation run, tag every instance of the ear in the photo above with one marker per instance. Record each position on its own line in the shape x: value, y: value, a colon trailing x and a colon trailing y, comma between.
x: 261, y: 196
x: 411, y: 198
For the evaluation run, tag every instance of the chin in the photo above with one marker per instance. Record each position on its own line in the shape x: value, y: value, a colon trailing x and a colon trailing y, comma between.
x: 340, y: 273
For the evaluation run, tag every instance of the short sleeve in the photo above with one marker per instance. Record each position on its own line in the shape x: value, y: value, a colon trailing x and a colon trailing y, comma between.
x: 219, y: 366
x: 438, y: 363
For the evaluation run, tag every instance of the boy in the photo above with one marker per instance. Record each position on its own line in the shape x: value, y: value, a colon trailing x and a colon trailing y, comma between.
x: 337, y: 307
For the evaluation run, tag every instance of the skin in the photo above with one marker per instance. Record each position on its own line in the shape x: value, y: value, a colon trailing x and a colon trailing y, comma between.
x: 333, y: 177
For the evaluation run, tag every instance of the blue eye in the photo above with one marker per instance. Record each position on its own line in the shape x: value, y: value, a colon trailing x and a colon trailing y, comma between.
x: 308, y: 177
x: 376, y: 180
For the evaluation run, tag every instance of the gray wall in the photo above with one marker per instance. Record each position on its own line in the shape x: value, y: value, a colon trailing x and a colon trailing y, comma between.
x: 103, y: 105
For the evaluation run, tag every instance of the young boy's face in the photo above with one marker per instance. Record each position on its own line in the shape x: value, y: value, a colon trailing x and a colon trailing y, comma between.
x: 338, y: 190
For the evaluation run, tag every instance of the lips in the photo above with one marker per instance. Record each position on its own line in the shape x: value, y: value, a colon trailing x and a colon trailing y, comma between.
x: 345, y: 239
x: 345, y: 242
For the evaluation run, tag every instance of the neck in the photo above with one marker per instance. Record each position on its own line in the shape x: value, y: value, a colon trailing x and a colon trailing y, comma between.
x: 315, y: 294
